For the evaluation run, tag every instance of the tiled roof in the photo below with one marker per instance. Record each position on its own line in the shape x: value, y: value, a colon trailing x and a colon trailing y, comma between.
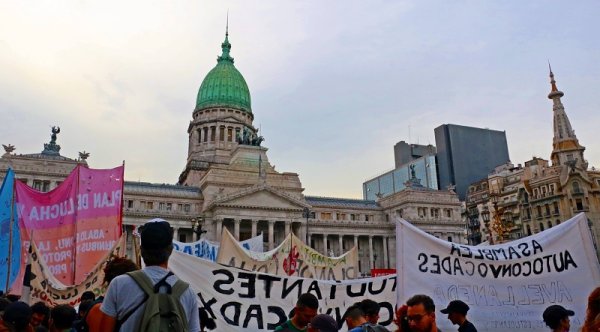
x: 344, y: 202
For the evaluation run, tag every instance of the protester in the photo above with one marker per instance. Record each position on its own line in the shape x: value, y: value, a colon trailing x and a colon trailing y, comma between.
x: 371, y: 310
x: 356, y: 320
x: 306, y: 308
x: 556, y: 318
x: 16, y: 318
x: 88, y: 295
x: 592, y: 316
x: 322, y: 323
x: 420, y: 314
x: 124, y: 301
x: 400, y: 320
x: 40, y: 313
x: 205, y: 321
x: 62, y: 317
x: 457, y: 314
x: 115, y: 267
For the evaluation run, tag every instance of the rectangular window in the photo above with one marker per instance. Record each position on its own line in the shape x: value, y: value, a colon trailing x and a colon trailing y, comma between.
x: 130, y: 204
x: 186, y: 208
x: 222, y: 134
x: 366, y: 217
x: 326, y: 216
x: 205, y: 136
x: 150, y: 205
x: 179, y: 207
x: 169, y: 206
x: 352, y: 216
x: 182, y: 237
x: 161, y: 206
x: 579, y: 204
x: 213, y: 133
x: 229, y: 134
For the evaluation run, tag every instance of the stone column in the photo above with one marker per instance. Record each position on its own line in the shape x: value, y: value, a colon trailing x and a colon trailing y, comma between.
x: 219, y: 229
x: 236, y: 229
x: 176, y: 233
x: 371, y: 251
x: 287, y: 227
x: 254, y: 227
x: 341, y: 242
x: 356, y: 241
x: 271, y: 235
x: 309, y: 241
x: 325, y: 245
x: 386, y: 264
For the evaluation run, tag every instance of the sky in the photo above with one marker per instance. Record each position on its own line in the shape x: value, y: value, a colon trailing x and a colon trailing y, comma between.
x: 334, y: 84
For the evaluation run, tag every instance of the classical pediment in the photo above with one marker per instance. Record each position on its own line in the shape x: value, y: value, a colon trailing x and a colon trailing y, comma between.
x: 260, y: 196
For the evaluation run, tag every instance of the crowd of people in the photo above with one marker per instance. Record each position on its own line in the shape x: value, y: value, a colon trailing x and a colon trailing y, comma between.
x: 154, y: 299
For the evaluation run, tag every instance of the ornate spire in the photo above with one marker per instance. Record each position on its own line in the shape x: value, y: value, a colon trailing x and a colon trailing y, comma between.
x: 566, y: 148
x: 226, y: 46
x: 554, y: 92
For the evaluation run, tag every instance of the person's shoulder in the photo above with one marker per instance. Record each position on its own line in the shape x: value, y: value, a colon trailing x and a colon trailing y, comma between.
x: 469, y: 327
x: 283, y: 327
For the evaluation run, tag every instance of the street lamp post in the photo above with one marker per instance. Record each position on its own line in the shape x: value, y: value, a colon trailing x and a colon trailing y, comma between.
x: 306, y: 214
x: 197, y: 227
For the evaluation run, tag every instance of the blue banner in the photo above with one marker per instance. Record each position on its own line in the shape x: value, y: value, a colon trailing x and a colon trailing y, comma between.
x: 10, y: 249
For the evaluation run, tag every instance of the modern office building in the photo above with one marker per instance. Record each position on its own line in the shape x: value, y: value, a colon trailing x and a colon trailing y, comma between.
x: 463, y: 155
x: 467, y: 154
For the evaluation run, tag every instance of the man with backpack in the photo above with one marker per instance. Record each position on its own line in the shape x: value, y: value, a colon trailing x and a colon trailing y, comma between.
x: 151, y: 299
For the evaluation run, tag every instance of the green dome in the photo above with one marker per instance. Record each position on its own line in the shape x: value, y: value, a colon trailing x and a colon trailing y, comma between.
x: 224, y: 86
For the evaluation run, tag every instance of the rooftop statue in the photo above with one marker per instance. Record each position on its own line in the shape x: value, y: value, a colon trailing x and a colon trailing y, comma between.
x: 52, y: 148
x: 9, y: 148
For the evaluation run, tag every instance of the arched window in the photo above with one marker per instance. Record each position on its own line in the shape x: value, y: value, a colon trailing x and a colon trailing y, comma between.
x: 549, y: 223
x: 576, y: 188
x: 528, y: 230
x: 541, y: 226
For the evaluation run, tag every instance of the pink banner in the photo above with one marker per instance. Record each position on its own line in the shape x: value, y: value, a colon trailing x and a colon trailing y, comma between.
x: 75, y: 224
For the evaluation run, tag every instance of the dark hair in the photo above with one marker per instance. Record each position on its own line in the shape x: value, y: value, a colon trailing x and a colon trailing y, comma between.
x: 13, y: 297
x: 369, y: 307
x: 85, y: 306
x: 63, y: 316
x: 88, y: 295
x: 3, y: 303
x: 422, y: 299
x: 205, y: 320
x: 308, y: 300
x: 593, y: 308
x: 156, y: 256
x: 17, y: 314
x: 118, y: 266
x: 354, y: 312
x: 40, y: 308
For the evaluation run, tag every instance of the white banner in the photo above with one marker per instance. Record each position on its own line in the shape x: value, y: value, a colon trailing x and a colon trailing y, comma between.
x: 291, y: 258
x: 249, y: 301
x: 210, y: 250
x: 507, y: 286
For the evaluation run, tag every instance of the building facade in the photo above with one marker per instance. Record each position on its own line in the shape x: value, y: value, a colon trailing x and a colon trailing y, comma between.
x: 539, y: 195
x: 228, y: 182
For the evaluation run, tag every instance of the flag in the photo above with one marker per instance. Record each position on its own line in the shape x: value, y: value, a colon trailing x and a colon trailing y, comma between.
x: 10, y: 239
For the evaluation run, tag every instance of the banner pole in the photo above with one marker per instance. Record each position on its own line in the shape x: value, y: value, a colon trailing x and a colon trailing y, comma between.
x: 10, y: 235
x: 76, y: 222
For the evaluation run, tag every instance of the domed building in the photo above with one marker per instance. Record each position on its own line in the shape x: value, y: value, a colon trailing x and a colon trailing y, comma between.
x: 229, y: 182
